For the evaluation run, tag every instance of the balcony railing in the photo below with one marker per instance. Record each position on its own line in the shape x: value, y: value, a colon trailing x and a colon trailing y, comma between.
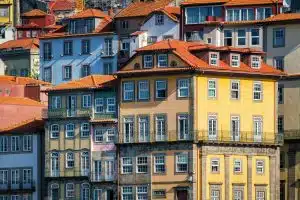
x: 96, y: 177
x: 264, y: 138
x: 17, y: 186
x: 291, y: 135
x: 64, y: 113
x: 66, y: 173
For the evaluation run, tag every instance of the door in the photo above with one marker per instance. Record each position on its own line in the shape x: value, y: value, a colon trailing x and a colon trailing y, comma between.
x: 212, y: 127
x: 109, y: 195
x: 257, y: 132
x: 109, y: 170
x: 71, y: 106
x: 181, y: 195
x: 235, y: 128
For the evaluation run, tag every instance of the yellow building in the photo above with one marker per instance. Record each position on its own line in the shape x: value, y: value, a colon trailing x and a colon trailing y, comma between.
x: 7, y: 12
x: 216, y: 105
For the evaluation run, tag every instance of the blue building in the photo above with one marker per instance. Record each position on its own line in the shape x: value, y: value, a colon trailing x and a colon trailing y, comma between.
x: 86, y: 46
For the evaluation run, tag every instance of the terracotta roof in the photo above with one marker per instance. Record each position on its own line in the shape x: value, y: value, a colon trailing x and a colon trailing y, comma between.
x: 32, y: 125
x: 90, y: 13
x: 231, y: 2
x: 31, y: 25
x: 137, y: 33
x: 34, y: 13
x: 199, y: 2
x: 62, y: 5
x: 284, y: 17
x: 19, y: 101
x: 142, y: 9
x: 183, y: 51
x: 53, y: 26
x: 89, y: 82
x: 28, y: 43
x: 16, y: 80
x: 172, y: 12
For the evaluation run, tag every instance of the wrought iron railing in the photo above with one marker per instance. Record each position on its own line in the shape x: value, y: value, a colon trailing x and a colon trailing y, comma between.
x: 11, y: 186
x: 64, y: 113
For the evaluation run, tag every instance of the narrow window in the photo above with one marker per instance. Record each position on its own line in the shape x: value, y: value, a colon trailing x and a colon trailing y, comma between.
x: 183, y: 127
x: 162, y: 60
x: 85, y: 47
x: 255, y: 36
x: 227, y: 37
x: 85, y: 191
x: 70, y: 190
x: 214, y: 59
x: 55, y: 102
x: 235, y: 60
x: 278, y: 37
x: 241, y: 37
x: 280, y: 124
x: 182, y: 162
x: 108, y: 68
x: 111, y: 105
x: 99, y: 105
x: 70, y: 160
x: 183, y: 88
x: 127, y: 167
x: 68, y: 48
x: 280, y: 94
x: 85, y: 163
x: 128, y: 91
x: 142, y: 193
x: 215, y: 165
x: 237, y: 166
x: 160, y: 128
x: 70, y: 130
x: 3, y: 144
x: 255, y: 62
x: 143, y: 87
x: 235, y: 90
x: 260, y: 195
x: 15, y: 143
x: 86, y: 101
x: 142, y: 164
x: 257, y: 91
x: 159, y: 19
x: 128, y: 130
x: 260, y: 166
x: 85, y: 130
x: 148, y: 61
x: 127, y: 193
x: 159, y: 163
x: 85, y: 70
x: 161, y: 89
x: 212, y: 127
x: 144, y: 129
x: 108, y: 51
x: 212, y: 89
x: 27, y: 143
x: 235, y: 128
x: 279, y: 63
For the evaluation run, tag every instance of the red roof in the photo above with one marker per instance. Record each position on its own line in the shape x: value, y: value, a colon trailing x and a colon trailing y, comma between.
x: 142, y: 9
x: 284, y: 17
x: 90, y: 13
x: 31, y: 25
x: 28, y: 43
x: 172, y: 12
x: 184, y: 51
x: 62, y: 5
x: 89, y: 82
x: 34, y: 13
x: 16, y: 80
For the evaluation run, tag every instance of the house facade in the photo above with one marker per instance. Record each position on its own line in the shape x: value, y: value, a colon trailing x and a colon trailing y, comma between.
x: 206, y: 148
x: 79, y: 139
x: 88, y: 47
x: 7, y: 12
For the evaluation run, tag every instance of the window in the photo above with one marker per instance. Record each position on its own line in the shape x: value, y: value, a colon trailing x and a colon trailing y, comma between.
x: 97, y: 170
x: 258, y: 128
x: 85, y: 70
x: 99, y: 105
x: 99, y: 135
x: 86, y: 101
x: 85, y: 163
x: 212, y: 127
x: 192, y: 15
x: 85, y: 130
x: 167, y: 37
x: 148, y: 61
x: 15, y: 197
x: 235, y: 128
x: 263, y: 13
x: 260, y: 166
x: 278, y: 37
x: 159, y: 19
x: 212, y: 88
x: 241, y: 37
x: 257, y: 91
x: 13, y: 72
x: 3, y: 197
x: 54, y: 131
x: 182, y: 162
x: 47, y: 51
x: 215, y: 193
x: 108, y: 51
x: 88, y: 25
x: 143, y: 88
x: 85, y: 47
x: 142, y: 193
x: 195, y: 15
x: 255, y: 62
x: 255, y: 36
x: 183, y: 87
x: 70, y: 130
x: 110, y: 134
x: 239, y: 14
x: 97, y: 194
x: 127, y: 193
x: 34, y: 34
x: 279, y: 63
x: 159, y: 163
x: 127, y: 167
x: 68, y: 48
x: 160, y: 89
x: 4, y: 12
x: 280, y: 94
x: 124, y: 24
x: 15, y: 143
x: 238, y: 193
x: 69, y: 160
x: 128, y: 91
x: 235, y: 90
x: 214, y: 59
x: 151, y: 39
x: 280, y: 124
x: 24, y: 72
x: 15, y: 176
x: 108, y: 68
x: 282, y: 160
x: 237, y: 166
x: 67, y: 72
x: 55, y: 102
x: 27, y: 176
x: 260, y: 195
x: 235, y: 60
x: 3, y: 144
x: 162, y: 60
x: 111, y: 105
x: 3, y: 177
x: 215, y: 165
x: 70, y: 190
x: 27, y: 143
x: 183, y: 127
x: 125, y: 46
x: 144, y: 129
x: 128, y: 129
x: 54, y: 164
x: 160, y: 127
x: 194, y: 36
x: 85, y: 191
x: 282, y: 190
x: 48, y: 74
x: 159, y: 194
x: 227, y: 37
x: 142, y: 164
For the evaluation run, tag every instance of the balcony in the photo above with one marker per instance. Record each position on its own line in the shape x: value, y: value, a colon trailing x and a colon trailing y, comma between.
x: 50, y: 174
x: 96, y: 177
x: 18, y: 187
x: 292, y: 135
x: 66, y: 113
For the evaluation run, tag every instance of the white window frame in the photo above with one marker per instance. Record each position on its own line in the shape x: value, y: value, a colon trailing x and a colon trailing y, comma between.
x: 68, y: 130
x: 209, y: 88
x: 260, y: 195
x: 178, y: 162
x: 157, y: 89
x: 162, y: 60
x: 27, y: 142
x: 260, y: 166
x: 264, y: 12
x: 84, y: 130
x: 111, y: 105
x: 237, y: 166
x: 183, y: 135
x: 183, y: 85
x: 141, y: 163
x: 225, y: 37
x: 85, y: 191
x: 27, y: 176
x: 241, y: 37
x: 97, y: 170
x: 235, y: 62
x: 99, y: 105
x: 142, y: 192
x: 128, y: 137
x: 148, y: 63
x: 144, y: 88
x: 70, y: 190
x: 15, y: 143
x: 123, y: 192
x: 214, y: 58
x: 127, y: 92
x: 70, y: 157
x: 144, y: 128
x: 235, y: 90
x: 215, y: 163
x: 99, y: 135
x: 85, y: 163
x: 56, y: 102
x: 160, y: 127
x: 255, y: 62
x: 4, y: 143
x: 3, y: 177
x: 15, y: 176
x: 55, y: 131
x: 159, y: 161
x: 127, y: 165
x: 86, y: 101
x: 97, y: 194
x: 257, y: 92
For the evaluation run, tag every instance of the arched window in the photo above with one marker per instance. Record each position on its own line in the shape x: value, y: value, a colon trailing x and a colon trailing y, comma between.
x: 85, y: 163
x: 54, y: 164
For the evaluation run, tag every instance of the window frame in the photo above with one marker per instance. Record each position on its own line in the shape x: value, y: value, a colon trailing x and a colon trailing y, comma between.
x: 127, y: 165
x: 127, y: 193
x: 225, y: 38
x: 211, y: 89
x: 275, y: 45
x: 241, y: 37
x: 255, y: 37
x: 67, y: 130
x: 56, y: 102
x: 143, y: 192
x: 99, y: 103
x: 159, y: 19
x: 111, y: 106
x: 214, y: 61
x: 165, y: 89
x: 4, y: 144
x: 157, y: 163
x: 28, y: 140
x: 85, y: 72
x: 159, y: 128
x: 256, y: 92
x: 15, y: 146
x: 140, y: 166
x: 238, y: 60
x: 145, y: 90
x: 261, y: 167
x: 255, y: 64
x: 160, y: 60
x: 67, y: 72
x: 126, y: 92
x: 235, y: 90
x: 212, y: 165
x: 70, y: 160
x: 86, y: 101
x: 85, y: 47
x: 177, y: 162
x: 237, y: 166
x: 180, y: 88
x: 70, y: 192
x: 68, y: 48
x: 84, y: 130
x: 148, y: 64
x: 278, y: 59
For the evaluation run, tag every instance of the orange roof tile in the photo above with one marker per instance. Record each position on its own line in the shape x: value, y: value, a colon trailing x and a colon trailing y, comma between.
x: 283, y: 17
x: 183, y: 51
x: 89, y: 82
x: 62, y: 5
x: 231, y: 2
x: 32, y: 124
x: 31, y: 25
x: 34, y: 13
x: 172, y: 12
x: 90, y: 13
x: 198, y: 2
x: 16, y: 80
x: 28, y: 43
x: 142, y: 9
x: 19, y: 101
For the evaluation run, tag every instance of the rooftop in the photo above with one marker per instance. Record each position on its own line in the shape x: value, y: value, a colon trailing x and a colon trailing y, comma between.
x: 284, y: 17
x: 16, y: 80
x: 173, y: 12
x: 62, y: 5
x: 231, y: 2
x: 28, y: 43
x: 88, y: 82
x: 90, y: 13
x: 34, y: 13
x: 142, y: 9
x: 21, y: 101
